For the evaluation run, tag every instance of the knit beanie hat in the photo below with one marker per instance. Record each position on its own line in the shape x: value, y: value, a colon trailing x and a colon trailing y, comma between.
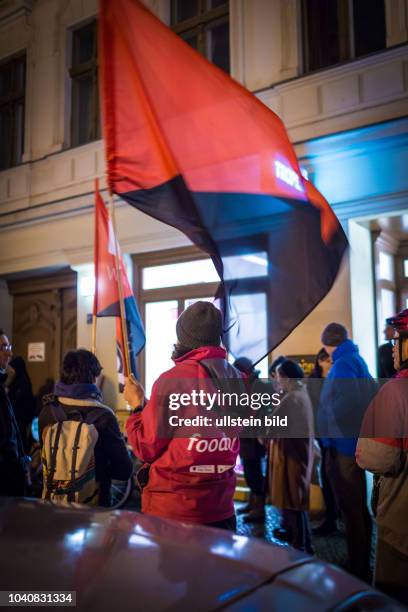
x: 199, y: 325
x: 334, y: 334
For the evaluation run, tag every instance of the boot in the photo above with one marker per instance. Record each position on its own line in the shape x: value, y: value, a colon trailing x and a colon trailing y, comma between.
x: 325, y: 529
x: 282, y: 534
x: 248, y: 507
x: 257, y: 514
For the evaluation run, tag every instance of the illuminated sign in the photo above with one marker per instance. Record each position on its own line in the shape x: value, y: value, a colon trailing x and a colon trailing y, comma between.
x: 287, y: 175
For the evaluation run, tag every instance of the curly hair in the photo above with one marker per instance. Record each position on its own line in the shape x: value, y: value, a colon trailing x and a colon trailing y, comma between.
x: 180, y: 350
x: 80, y: 366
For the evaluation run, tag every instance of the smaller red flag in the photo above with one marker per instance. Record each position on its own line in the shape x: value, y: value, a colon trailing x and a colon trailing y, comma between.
x: 106, y: 298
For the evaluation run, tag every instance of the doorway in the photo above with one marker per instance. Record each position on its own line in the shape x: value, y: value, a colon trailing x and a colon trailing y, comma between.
x: 44, y: 322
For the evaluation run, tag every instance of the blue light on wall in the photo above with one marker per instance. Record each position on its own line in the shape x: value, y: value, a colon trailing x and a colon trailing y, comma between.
x: 360, y: 164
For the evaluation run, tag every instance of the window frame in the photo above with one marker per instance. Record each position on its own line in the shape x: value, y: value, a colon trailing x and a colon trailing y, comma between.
x: 11, y: 102
x: 346, y: 36
x: 78, y: 71
x: 200, y: 23
x: 180, y: 293
x: 183, y: 292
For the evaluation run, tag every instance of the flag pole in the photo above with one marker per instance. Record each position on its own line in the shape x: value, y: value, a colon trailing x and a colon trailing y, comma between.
x: 127, y: 368
x: 94, y: 317
x: 93, y: 343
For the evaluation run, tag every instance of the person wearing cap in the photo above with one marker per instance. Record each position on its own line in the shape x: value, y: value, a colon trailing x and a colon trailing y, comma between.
x: 383, y: 449
x: 188, y: 478
x: 346, y: 393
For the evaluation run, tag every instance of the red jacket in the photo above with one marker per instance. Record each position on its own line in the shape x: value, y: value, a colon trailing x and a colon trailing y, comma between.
x: 383, y: 449
x: 189, y: 479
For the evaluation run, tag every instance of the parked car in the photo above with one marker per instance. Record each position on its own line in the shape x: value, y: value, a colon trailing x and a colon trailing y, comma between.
x: 121, y: 560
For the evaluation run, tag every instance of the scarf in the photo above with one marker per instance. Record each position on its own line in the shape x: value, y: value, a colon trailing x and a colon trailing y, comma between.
x: 80, y: 391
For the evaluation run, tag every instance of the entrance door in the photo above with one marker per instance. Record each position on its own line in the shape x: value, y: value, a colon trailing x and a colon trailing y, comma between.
x: 44, y: 323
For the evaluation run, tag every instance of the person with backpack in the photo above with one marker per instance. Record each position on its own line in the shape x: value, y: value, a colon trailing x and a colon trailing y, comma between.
x: 188, y: 478
x: 83, y: 449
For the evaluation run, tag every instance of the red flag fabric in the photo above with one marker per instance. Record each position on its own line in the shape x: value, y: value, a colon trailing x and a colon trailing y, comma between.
x: 189, y: 146
x: 106, y: 298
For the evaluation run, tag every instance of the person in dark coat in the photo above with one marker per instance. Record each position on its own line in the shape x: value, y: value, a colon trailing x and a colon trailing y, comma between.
x: 385, y: 357
x: 252, y: 453
x: 21, y: 396
x: 291, y: 459
x: 12, y: 460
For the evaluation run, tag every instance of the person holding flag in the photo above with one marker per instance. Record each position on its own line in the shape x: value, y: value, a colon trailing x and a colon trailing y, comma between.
x: 190, y: 478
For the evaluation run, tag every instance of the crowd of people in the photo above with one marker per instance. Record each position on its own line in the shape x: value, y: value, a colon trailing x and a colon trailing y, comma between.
x: 193, y: 478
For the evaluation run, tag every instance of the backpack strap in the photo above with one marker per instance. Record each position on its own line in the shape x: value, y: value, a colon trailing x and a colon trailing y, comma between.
x: 53, y: 465
x: 71, y: 494
x: 221, y: 384
x: 92, y: 416
x: 58, y: 412
x: 212, y: 374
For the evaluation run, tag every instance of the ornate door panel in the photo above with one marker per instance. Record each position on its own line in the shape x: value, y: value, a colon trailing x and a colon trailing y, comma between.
x: 68, y: 320
x: 47, y: 314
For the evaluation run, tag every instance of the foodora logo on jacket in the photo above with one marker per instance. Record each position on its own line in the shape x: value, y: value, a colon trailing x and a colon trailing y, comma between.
x: 212, y: 445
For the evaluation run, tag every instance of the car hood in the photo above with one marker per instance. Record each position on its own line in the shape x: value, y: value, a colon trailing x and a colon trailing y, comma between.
x: 121, y: 560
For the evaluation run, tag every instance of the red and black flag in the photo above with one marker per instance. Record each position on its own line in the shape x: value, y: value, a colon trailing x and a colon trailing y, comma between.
x: 106, y: 299
x: 191, y: 147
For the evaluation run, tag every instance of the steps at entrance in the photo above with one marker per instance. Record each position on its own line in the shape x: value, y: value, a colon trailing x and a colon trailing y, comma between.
x: 241, y: 490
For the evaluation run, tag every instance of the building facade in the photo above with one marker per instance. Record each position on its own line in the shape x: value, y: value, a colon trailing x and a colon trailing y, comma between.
x: 337, y: 77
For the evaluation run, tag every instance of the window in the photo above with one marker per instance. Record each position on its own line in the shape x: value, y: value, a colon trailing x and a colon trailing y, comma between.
x: 369, y: 26
x: 406, y: 268
x: 169, y: 281
x: 386, y: 266
x: 85, y: 117
x: 387, y: 308
x: 339, y: 30
x: 12, y: 110
x: 204, y: 25
x: 253, y: 265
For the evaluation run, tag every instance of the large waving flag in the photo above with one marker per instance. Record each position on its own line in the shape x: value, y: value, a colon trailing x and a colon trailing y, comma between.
x: 189, y: 146
x: 106, y: 299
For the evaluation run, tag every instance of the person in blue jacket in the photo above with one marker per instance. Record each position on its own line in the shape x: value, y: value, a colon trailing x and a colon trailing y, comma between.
x: 346, y: 393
